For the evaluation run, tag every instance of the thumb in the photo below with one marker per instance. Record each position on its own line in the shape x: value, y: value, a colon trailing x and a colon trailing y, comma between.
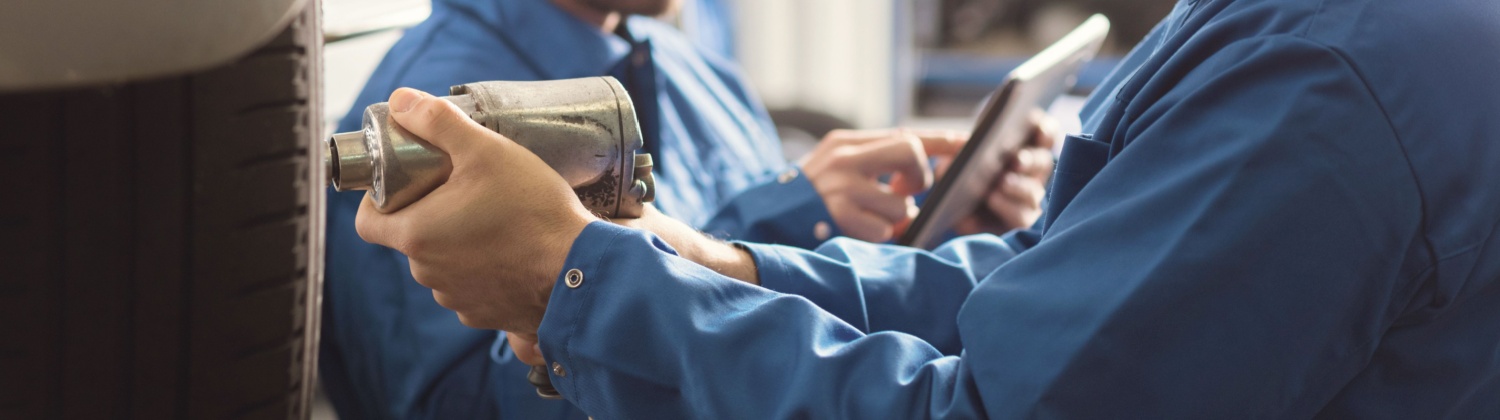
x: 435, y: 120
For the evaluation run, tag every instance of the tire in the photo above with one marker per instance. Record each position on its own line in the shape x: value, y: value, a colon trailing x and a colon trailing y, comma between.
x: 163, y: 242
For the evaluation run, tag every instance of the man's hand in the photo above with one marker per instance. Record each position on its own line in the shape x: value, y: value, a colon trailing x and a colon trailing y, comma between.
x: 846, y: 168
x: 526, y: 348
x: 490, y: 241
x: 1015, y: 200
x: 691, y: 244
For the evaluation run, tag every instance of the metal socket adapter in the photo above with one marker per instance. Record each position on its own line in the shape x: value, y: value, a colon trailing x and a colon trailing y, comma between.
x: 585, y: 129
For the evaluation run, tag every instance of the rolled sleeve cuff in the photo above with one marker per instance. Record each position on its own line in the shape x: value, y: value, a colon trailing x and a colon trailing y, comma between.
x: 786, y: 211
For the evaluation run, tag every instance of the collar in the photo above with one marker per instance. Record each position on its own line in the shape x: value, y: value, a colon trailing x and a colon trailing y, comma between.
x: 554, y: 43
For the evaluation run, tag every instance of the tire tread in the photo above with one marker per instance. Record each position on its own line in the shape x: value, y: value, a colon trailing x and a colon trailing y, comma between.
x: 161, y: 268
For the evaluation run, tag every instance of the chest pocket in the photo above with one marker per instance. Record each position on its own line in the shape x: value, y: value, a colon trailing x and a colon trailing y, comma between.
x: 1082, y: 158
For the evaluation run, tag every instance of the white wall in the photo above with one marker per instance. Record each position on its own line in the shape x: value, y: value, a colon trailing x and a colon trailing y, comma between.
x: 848, y: 58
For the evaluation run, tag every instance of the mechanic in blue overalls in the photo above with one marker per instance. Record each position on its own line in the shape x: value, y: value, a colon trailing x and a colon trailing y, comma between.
x: 390, y: 352
x: 1282, y: 209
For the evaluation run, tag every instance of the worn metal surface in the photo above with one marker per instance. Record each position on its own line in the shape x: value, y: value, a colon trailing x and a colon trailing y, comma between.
x: 585, y: 129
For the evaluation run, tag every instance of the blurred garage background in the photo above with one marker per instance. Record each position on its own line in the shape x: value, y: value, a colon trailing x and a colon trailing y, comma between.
x: 819, y: 64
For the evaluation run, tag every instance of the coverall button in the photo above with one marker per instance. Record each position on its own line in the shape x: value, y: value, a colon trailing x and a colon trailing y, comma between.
x: 558, y: 370
x: 787, y: 176
x: 821, y: 230
x: 574, y: 278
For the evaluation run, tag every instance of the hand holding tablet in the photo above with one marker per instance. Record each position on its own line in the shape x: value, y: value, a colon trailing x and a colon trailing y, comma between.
x: 1004, y: 129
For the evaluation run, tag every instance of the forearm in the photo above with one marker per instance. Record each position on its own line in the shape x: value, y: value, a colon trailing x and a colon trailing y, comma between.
x: 648, y: 334
x: 888, y: 288
x: 722, y: 257
x: 727, y: 259
x: 847, y: 277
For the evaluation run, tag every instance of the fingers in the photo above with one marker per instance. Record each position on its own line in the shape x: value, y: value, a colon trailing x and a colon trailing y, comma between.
x: 1016, y: 201
x: 899, y: 228
x: 860, y: 224
x: 891, y: 206
x: 526, y: 348
x: 471, y: 313
x: 371, y: 224
x: 1034, y: 162
x: 940, y: 167
x: 1017, y: 189
x: 973, y: 224
x: 869, y: 212
x: 904, y: 156
x: 1007, y: 215
x: 435, y: 120
x: 900, y: 152
x: 855, y: 136
x: 904, y: 186
x: 1045, y: 129
x: 941, y: 143
x: 847, y: 168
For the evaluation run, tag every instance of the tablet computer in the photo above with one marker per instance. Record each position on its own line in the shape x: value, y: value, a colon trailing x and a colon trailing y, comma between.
x: 1002, y: 128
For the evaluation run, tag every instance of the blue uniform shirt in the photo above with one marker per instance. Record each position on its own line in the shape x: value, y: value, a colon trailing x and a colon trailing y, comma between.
x: 1282, y: 209
x: 388, y: 350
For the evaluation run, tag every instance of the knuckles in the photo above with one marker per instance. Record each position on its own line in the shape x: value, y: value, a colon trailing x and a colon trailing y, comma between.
x: 467, y: 320
x: 414, y: 244
x: 370, y: 226
x: 844, y: 157
x: 477, y: 320
x: 839, y: 136
x: 424, y: 277
x: 443, y: 300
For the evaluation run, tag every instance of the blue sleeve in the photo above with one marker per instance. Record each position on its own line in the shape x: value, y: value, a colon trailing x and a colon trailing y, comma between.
x: 647, y: 334
x: 785, y: 211
x: 1240, y: 257
x: 876, y: 288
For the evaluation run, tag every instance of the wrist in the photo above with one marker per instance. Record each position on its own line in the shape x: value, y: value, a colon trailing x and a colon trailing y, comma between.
x: 725, y: 258
x: 743, y: 265
x: 556, y: 250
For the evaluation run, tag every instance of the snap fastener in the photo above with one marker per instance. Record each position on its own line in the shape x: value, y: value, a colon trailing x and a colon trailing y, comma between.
x: 574, y: 278
x: 787, y: 176
x: 558, y: 370
x: 821, y: 230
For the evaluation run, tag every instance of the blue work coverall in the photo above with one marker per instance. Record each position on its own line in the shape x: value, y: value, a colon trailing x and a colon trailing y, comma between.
x: 1282, y: 209
x: 388, y: 350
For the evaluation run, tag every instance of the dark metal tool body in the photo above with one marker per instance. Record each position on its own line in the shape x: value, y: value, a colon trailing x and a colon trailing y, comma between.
x: 585, y: 129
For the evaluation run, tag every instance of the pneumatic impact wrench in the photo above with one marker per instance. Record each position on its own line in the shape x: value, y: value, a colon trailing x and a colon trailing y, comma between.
x: 585, y: 129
